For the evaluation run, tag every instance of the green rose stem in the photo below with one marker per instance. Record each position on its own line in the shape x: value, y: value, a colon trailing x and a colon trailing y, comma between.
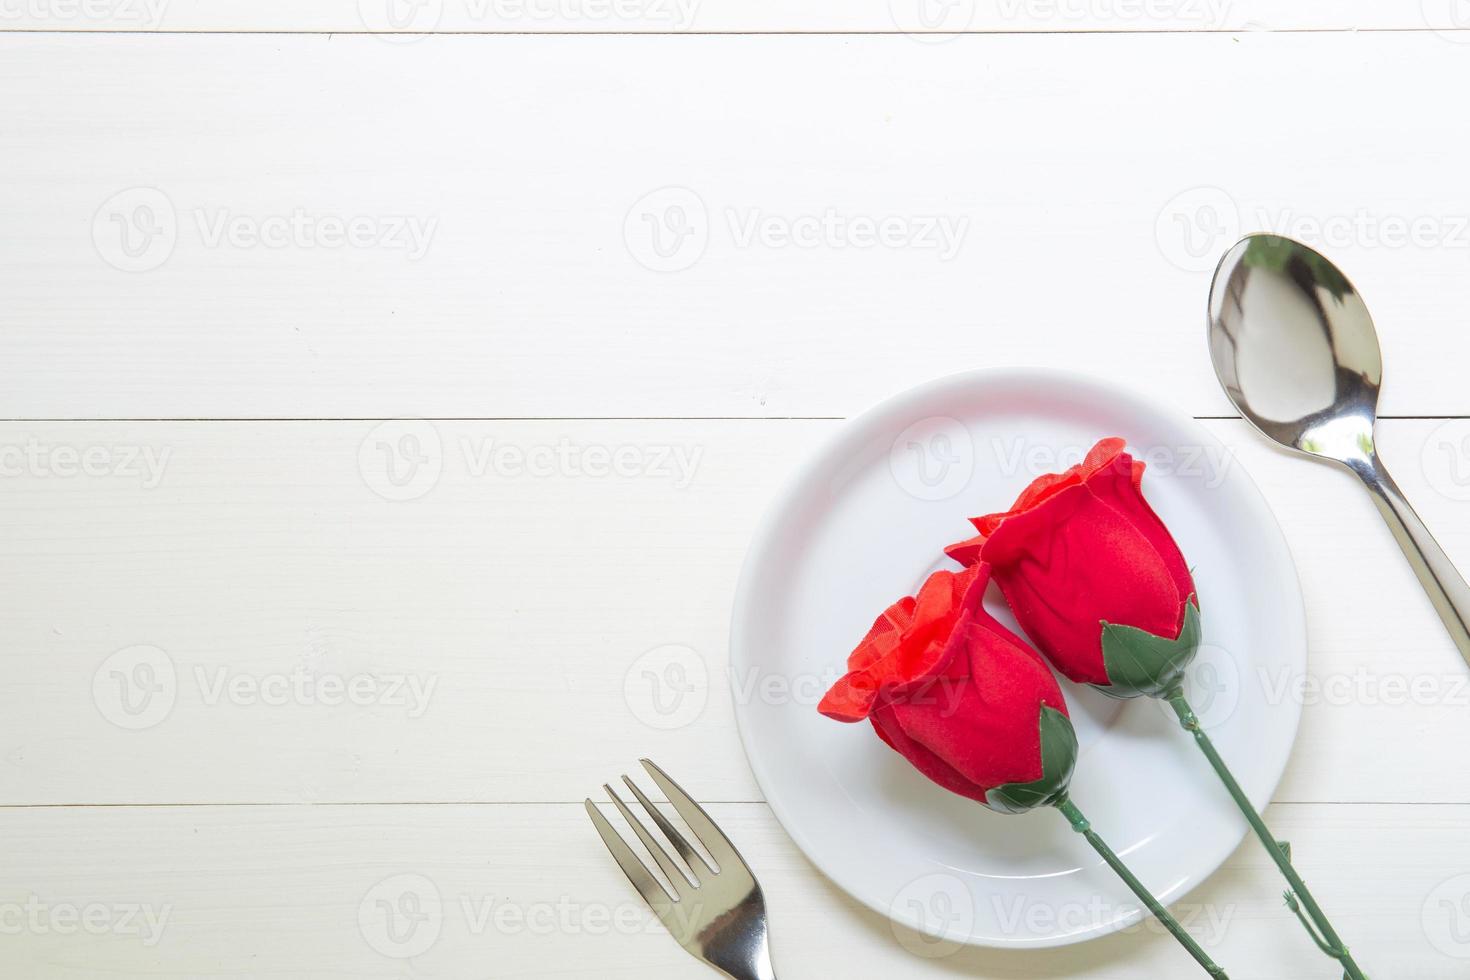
x: 1327, y: 940
x: 1058, y: 760
x: 1080, y: 824
x: 1140, y: 663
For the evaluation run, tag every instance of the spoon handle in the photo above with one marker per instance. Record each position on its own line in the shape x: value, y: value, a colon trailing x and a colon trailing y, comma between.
x: 1444, y: 583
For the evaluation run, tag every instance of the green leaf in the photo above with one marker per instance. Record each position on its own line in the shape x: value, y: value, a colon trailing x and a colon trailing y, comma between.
x: 1140, y: 663
x: 1058, y: 759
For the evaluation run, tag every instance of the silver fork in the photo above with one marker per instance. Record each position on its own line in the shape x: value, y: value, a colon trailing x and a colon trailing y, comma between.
x: 718, y: 914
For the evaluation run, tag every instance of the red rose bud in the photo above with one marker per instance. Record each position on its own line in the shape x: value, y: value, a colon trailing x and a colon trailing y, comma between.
x: 962, y: 698
x: 975, y: 709
x: 1093, y: 576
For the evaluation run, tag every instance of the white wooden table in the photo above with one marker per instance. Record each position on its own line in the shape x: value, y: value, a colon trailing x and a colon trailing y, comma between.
x: 276, y: 669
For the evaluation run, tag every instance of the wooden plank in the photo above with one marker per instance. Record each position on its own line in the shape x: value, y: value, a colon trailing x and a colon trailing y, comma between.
x: 934, y: 21
x: 526, y: 891
x: 331, y: 227
x: 322, y: 634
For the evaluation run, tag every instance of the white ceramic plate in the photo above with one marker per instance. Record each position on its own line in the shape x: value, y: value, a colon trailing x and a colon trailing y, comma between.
x: 864, y: 522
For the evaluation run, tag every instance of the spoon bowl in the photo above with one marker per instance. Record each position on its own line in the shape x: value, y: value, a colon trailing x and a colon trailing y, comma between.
x: 1296, y: 352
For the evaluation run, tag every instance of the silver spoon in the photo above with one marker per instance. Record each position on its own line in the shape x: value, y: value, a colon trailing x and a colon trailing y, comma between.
x: 1295, y: 350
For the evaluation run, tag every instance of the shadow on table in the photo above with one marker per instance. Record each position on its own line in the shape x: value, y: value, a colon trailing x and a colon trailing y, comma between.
x: 1017, y: 964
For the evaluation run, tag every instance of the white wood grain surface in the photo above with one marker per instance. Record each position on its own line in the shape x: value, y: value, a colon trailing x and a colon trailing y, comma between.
x: 267, y: 685
x: 524, y: 611
x: 504, y: 194
x: 934, y: 19
x: 525, y: 891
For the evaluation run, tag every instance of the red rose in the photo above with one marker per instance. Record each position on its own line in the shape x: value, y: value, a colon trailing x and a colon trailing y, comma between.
x: 975, y: 709
x: 960, y: 696
x: 1083, y: 549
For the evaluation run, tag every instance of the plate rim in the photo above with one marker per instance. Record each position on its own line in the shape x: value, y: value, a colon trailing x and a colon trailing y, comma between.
x: 1294, y: 634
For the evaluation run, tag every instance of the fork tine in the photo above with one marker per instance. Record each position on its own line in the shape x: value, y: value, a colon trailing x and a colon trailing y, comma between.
x: 678, y: 881
x: 691, y: 857
x: 710, y: 835
x: 648, y: 886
